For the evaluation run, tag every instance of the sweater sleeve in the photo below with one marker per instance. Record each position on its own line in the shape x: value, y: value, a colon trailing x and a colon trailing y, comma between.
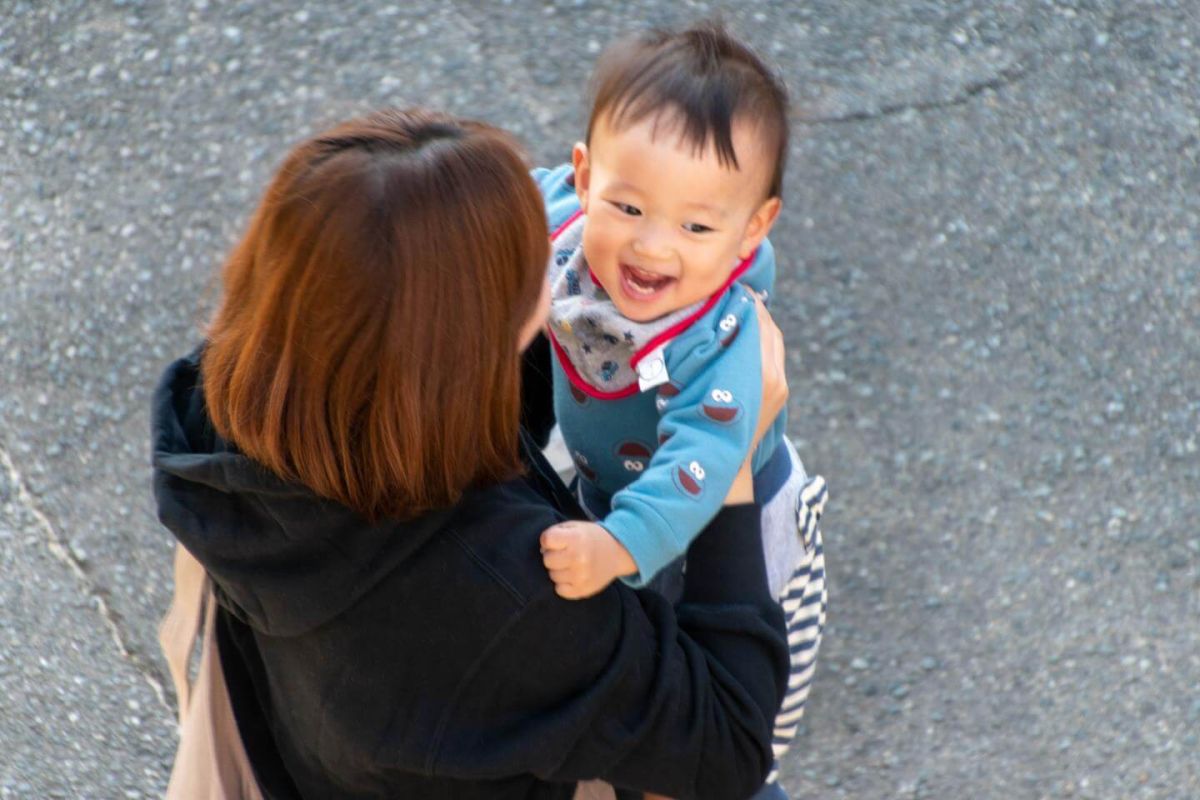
x: 623, y: 687
x: 705, y: 429
x: 557, y: 186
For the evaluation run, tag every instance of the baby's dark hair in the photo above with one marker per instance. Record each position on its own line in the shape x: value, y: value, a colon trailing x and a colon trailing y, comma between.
x: 706, y: 75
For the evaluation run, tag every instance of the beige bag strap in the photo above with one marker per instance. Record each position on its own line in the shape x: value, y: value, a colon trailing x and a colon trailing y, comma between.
x: 211, y: 762
x: 177, y: 633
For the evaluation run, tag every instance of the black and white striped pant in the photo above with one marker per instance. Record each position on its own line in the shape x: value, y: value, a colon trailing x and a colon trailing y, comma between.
x: 795, y: 560
x: 804, y: 598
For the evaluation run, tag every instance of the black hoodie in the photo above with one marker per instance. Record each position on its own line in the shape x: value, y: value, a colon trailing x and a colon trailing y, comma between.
x: 431, y: 658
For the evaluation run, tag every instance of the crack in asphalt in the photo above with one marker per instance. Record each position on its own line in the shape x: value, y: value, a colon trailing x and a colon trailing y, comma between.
x: 1006, y: 77
x: 61, y: 551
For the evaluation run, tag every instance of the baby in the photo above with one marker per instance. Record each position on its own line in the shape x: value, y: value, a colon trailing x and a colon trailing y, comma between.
x: 659, y: 240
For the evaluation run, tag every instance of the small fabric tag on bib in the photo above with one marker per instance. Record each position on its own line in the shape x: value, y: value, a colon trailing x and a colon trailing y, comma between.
x: 652, y: 370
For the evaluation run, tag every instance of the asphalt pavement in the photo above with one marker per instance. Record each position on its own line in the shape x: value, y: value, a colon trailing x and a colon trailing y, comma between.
x: 990, y: 289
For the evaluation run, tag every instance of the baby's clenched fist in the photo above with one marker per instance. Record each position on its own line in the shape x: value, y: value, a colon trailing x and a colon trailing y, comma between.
x: 583, y: 558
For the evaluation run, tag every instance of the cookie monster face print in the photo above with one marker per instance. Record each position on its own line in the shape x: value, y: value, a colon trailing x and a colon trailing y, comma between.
x: 720, y: 406
x: 690, y: 479
x: 665, y: 393
x: 728, y: 326
x: 633, y: 455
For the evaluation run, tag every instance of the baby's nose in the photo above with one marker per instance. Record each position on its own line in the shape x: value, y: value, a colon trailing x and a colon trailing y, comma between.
x: 651, y: 243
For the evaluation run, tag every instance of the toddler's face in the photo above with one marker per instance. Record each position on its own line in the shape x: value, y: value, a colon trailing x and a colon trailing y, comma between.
x: 666, y: 225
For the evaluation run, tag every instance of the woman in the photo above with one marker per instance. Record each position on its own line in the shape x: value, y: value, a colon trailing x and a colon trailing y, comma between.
x: 345, y: 457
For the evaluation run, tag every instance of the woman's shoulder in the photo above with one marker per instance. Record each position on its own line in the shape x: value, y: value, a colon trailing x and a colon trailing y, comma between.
x: 499, y: 527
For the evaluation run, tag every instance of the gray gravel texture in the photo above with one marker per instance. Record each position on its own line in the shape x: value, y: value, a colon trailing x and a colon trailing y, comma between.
x: 990, y: 291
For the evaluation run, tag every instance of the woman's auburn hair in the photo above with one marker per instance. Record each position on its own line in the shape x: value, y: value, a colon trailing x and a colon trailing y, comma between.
x: 366, y: 340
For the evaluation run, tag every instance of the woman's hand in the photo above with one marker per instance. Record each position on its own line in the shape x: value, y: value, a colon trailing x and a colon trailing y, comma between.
x: 774, y: 399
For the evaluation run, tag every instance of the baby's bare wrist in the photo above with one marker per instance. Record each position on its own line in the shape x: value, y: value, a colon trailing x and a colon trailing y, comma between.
x: 618, y: 559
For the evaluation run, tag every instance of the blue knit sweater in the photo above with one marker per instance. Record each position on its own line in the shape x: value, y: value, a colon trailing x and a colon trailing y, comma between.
x: 657, y: 416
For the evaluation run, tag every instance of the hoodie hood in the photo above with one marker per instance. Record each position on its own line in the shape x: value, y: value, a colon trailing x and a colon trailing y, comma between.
x: 284, y: 560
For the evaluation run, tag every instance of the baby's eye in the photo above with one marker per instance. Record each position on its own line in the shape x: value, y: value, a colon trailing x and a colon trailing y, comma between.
x: 625, y: 208
x: 696, y: 227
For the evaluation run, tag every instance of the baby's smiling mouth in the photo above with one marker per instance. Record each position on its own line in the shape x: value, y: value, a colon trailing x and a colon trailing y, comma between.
x: 643, y: 283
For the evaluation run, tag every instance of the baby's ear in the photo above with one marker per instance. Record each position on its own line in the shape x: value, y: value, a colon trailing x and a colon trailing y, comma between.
x: 583, y: 173
x: 759, y: 226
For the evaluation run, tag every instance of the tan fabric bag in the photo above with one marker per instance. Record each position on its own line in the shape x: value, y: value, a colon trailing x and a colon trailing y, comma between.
x: 210, y: 763
x: 594, y: 790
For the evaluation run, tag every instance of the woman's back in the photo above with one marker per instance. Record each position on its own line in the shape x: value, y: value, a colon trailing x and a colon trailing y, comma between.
x: 344, y: 457
x: 431, y: 658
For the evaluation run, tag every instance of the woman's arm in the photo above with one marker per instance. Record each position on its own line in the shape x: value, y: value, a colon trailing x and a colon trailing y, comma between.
x: 624, y: 687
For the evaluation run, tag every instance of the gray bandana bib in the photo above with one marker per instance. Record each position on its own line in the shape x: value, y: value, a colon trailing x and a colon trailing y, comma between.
x: 600, y: 343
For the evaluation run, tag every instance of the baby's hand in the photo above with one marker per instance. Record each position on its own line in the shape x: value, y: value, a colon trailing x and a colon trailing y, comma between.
x: 582, y: 558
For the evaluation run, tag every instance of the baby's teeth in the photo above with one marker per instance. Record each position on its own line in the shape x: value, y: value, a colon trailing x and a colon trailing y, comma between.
x: 637, y: 287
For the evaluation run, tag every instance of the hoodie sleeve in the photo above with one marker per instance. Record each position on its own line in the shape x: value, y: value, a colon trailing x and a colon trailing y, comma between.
x: 623, y: 687
x: 537, y: 390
